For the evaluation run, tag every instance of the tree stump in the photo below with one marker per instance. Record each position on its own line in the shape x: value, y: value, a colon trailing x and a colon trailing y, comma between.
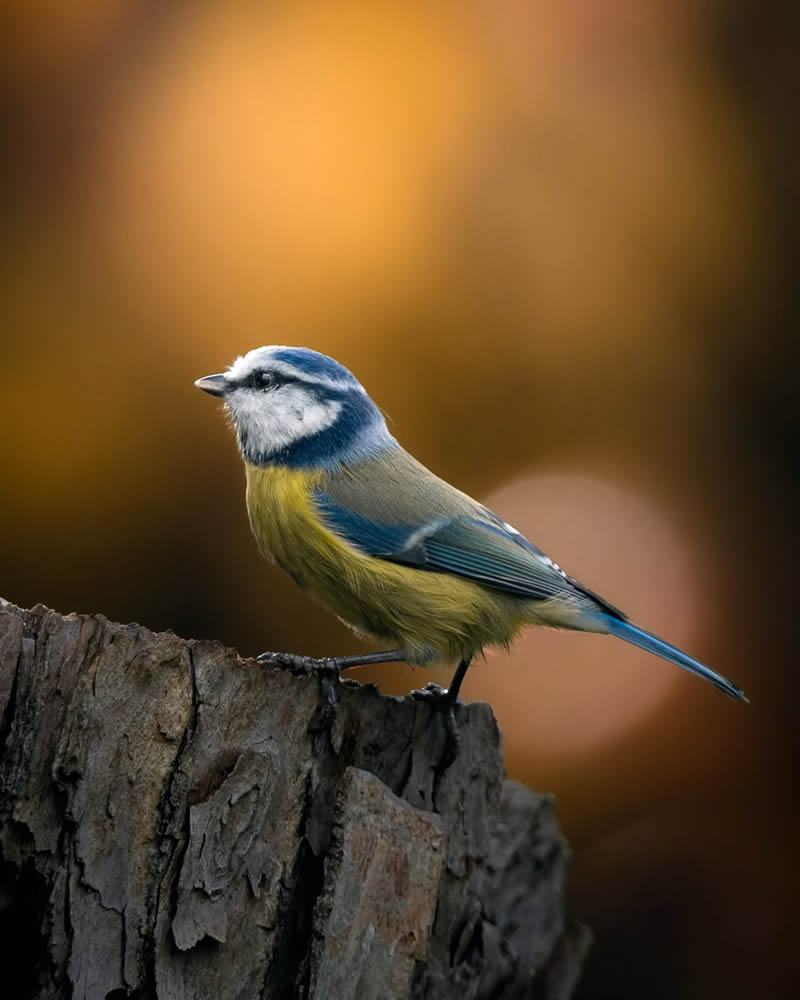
x: 178, y: 822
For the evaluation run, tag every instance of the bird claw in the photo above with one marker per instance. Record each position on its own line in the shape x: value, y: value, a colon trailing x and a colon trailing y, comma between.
x: 327, y: 670
x: 436, y: 696
x: 441, y: 700
x: 327, y: 666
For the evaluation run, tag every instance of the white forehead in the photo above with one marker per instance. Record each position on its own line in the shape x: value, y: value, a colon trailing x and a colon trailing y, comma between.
x: 259, y: 357
x: 264, y: 357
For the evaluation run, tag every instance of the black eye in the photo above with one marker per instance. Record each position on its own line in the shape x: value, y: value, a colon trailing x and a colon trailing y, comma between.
x: 264, y: 380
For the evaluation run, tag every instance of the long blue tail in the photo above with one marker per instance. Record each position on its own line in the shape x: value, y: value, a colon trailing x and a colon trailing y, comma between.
x: 644, y: 640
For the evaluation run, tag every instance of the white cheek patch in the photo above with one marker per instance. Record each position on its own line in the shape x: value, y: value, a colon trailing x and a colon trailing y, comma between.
x: 270, y: 421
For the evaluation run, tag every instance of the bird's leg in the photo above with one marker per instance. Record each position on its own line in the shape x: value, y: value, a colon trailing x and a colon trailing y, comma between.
x: 329, y: 664
x: 328, y: 668
x: 444, y: 700
x: 458, y: 679
x: 444, y: 697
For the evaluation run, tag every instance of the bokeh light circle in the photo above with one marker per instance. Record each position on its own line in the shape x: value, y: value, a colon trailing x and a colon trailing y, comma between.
x: 563, y: 692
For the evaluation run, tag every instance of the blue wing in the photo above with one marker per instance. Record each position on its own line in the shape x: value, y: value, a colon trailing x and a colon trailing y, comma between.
x: 484, y: 549
x: 472, y: 547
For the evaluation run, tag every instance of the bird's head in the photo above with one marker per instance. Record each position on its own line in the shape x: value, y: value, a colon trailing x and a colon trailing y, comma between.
x: 293, y: 406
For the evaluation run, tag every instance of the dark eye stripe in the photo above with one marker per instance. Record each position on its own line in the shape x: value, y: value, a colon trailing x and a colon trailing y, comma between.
x: 266, y: 378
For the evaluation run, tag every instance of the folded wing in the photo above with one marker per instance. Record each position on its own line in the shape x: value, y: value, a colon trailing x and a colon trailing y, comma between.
x: 473, y: 547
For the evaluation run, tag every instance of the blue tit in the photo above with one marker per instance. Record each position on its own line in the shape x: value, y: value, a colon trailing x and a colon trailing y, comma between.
x: 394, y: 551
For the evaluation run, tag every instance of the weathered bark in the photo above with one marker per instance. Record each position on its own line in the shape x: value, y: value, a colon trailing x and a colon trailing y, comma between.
x: 176, y: 822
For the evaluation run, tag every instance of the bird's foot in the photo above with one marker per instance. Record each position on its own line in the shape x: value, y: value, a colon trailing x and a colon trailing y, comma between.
x: 329, y: 666
x: 443, y: 700
x: 326, y: 668
x: 436, y: 696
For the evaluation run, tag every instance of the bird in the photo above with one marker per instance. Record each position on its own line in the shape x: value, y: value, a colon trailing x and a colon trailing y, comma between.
x: 397, y: 553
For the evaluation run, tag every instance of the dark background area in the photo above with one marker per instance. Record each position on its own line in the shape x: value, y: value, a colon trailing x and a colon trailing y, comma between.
x: 557, y: 243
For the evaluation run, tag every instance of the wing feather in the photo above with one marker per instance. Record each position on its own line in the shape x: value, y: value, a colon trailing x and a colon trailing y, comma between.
x: 465, y: 546
x: 394, y: 508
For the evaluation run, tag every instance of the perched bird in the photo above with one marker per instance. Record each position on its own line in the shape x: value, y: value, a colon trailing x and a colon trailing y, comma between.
x: 394, y: 551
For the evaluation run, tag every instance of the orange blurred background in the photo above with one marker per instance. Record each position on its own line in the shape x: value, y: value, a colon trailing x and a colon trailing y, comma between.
x: 557, y: 243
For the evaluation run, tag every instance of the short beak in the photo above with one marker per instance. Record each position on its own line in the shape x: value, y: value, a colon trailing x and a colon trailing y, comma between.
x: 214, y: 385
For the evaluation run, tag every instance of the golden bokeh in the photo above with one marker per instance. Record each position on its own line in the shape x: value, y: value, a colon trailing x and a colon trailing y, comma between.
x: 555, y: 243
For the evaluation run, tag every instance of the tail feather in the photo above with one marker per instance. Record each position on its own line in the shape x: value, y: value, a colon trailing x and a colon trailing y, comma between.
x: 644, y: 640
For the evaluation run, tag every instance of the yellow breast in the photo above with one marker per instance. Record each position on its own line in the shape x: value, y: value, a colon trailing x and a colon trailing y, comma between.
x: 429, y: 615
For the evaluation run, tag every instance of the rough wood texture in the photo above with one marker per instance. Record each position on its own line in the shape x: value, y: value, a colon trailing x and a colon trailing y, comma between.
x: 176, y: 822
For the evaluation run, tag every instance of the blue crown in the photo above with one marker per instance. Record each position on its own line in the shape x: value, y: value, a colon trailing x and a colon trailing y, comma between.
x: 314, y: 364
